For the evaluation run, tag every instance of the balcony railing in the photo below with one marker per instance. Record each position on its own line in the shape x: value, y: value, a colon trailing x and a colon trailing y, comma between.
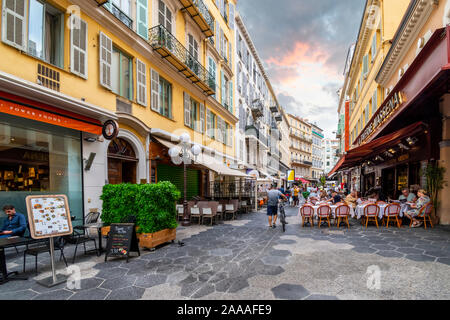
x: 200, y: 14
x: 257, y: 108
x: 254, y: 131
x: 300, y: 136
x: 122, y: 16
x: 299, y: 161
x: 163, y: 42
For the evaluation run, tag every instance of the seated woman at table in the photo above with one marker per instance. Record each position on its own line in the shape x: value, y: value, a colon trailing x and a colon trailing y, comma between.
x: 415, y: 208
x: 14, y: 225
x: 336, y: 198
x: 352, y: 199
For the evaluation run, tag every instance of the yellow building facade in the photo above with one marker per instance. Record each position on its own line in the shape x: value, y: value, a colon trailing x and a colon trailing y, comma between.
x: 158, y: 68
x: 300, y: 132
x: 379, y: 24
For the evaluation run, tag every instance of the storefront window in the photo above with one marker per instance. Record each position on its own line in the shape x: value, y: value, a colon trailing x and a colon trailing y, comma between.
x: 38, y: 159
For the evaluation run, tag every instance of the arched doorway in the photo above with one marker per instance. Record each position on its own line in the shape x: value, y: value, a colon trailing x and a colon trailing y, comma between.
x: 122, y: 162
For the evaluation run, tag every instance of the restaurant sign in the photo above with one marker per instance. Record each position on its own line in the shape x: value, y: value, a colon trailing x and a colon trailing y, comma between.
x: 384, y: 113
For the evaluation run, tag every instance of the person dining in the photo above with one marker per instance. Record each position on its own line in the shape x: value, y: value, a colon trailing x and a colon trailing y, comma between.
x: 422, y: 201
x: 336, y: 198
x: 323, y: 196
x: 407, y: 196
x: 14, y: 225
x: 352, y: 199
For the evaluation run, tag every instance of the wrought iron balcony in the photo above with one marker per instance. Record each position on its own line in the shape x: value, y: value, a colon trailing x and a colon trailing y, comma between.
x: 301, y: 162
x: 274, y: 109
x: 200, y: 14
x: 163, y: 42
x: 257, y: 109
x: 254, y: 131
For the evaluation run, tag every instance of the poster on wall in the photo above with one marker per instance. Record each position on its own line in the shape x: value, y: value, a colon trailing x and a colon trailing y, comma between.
x: 49, y: 216
x: 291, y: 175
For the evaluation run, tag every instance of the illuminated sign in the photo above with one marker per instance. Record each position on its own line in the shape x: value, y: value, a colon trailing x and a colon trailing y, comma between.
x: 384, y: 113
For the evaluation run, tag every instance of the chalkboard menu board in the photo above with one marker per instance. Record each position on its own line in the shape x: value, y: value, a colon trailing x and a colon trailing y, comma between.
x: 122, y: 240
x: 48, y: 216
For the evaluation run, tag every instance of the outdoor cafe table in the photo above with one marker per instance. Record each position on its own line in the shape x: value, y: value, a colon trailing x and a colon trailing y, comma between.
x: 7, y: 243
x: 360, y: 209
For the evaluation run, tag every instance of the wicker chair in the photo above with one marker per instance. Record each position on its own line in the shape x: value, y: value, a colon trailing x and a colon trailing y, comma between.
x: 324, y: 212
x: 391, y: 214
x: 307, y: 213
x: 371, y: 212
x: 425, y: 214
x: 342, y: 212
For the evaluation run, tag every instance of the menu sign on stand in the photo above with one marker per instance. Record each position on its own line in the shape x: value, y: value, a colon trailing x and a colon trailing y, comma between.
x: 122, y: 240
x: 49, y: 217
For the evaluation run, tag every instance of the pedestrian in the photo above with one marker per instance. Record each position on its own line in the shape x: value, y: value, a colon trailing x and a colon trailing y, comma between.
x: 273, y: 195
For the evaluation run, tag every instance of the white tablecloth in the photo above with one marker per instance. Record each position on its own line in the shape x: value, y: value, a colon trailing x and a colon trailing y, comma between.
x: 360, y: 210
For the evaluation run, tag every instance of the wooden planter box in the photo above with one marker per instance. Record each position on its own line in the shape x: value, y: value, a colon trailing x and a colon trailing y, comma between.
x: 152, y: 240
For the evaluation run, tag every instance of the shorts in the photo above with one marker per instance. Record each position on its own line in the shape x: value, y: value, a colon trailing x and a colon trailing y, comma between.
x: 272, y: 210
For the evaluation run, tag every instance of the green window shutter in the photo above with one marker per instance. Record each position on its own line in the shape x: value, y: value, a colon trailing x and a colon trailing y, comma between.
x: 175, y: 175
x: 365, y: 64
x: 142, y: 18
x: 202, y: 118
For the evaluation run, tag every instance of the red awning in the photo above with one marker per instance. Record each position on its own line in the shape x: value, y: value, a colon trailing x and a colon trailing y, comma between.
x: 26, y: 108
x: 304, y: 181
x: 375, y: 147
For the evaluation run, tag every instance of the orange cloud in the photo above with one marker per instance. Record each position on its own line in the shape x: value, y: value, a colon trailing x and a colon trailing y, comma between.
x: 301, y: 54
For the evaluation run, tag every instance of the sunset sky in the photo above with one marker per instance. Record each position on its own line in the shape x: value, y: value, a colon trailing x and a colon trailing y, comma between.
x: 303, y: 45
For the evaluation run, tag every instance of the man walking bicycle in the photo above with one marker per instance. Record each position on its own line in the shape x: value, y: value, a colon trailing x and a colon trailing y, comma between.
x: 273, y: 195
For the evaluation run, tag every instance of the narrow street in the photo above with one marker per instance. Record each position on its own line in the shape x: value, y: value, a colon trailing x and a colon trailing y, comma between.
x: 245, y: 260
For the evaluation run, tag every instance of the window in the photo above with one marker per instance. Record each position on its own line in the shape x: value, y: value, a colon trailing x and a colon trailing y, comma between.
x: 212, y: 74
x: 374, y: 46
x: 165, y: 16
x: 374, y: 102
x: 210, y: 124
x: 193, y: 54
x: 122, y: 74
x: 165, y: 97
x: 141, y: 80
x: 45, y: 33
x: 194, y: 114
x: 123, y: 5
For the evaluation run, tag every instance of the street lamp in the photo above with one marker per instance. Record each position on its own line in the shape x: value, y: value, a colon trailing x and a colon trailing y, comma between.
x: 183, y: 154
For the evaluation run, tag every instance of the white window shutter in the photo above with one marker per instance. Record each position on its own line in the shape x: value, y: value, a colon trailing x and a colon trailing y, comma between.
x: 230, y: 135
x: 105, y: 48
x: 142, y: 18
x: 141, y: 80
x: 222, y: 85
x: 155, y: 91
x: 187, y: 109
x: 208, y: 123
x: 78, y: 47
x: 13, y: 23
x: 202, y: 118
x: 217, y: 36
x: 230, y: 54
x: 231, y: 95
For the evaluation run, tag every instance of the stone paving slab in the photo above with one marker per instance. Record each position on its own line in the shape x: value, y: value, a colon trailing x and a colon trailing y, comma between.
x: 245, y: 260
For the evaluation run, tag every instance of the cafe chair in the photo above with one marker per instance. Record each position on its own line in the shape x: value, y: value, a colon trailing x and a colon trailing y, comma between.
x: 230, y: 210
x: 342, y: 212
x: 208, y: 214
x: 307, y: 213
x: 195, y: 213
x: 180, y: 212
x: 391, y: 214
x: 43, y: 248
x: 425, y: 215
x: 324, y: 212
x: 244, y: 206
x: 371, y: 212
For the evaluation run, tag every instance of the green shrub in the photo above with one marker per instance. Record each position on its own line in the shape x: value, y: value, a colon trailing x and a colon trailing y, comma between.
x: 153, y: 205
x: 305, y: 195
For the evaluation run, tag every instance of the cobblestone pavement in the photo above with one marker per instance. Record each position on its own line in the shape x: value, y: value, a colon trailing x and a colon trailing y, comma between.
x: 245, y: 260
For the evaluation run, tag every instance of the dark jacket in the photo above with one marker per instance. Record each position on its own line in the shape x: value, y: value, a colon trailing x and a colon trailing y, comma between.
x: 18, y: 225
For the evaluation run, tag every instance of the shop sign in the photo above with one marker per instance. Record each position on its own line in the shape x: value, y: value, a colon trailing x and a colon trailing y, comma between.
x: 110, y: 130
x: 386, y: 111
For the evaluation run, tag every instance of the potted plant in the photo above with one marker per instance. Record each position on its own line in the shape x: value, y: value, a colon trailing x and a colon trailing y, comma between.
x: 435, y: 183
x: 153, y: 206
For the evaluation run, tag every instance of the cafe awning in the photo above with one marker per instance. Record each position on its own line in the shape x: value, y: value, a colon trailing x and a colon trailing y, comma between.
x: 209, y: 162
x: 372, y: 149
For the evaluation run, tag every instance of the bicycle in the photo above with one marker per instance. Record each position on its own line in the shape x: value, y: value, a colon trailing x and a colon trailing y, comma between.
x: 282, y: 216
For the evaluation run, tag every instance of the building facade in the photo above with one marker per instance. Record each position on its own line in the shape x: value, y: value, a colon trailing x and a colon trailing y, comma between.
x: 301, y: 146
x: 330, y: 154
x: 409, y: 129
x: 258, y: 136
x: 317, y: 169
x: 153, y: 68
